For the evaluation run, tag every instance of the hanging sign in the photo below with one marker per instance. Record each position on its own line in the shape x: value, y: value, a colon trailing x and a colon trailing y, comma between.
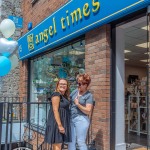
x: 17, y: 20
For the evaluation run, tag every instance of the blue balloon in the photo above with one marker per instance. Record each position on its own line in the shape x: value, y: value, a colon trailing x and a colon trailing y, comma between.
x: 5, y: 65
x: 6, y: 54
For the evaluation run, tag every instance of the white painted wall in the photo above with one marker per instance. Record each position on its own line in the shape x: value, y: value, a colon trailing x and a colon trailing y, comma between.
x: 120, y: 124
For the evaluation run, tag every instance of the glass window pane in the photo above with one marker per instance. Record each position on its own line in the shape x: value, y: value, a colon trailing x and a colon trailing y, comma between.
x: 66, y: 63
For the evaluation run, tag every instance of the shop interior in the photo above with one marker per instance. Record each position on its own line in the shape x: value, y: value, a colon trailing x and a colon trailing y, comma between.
x: 135, y: 83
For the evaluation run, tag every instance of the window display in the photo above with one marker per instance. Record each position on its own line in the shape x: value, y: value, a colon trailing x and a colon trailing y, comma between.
x: 66, y: 62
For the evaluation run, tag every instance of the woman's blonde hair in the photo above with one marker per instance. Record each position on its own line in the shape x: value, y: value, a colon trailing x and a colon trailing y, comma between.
x: 67, y: 93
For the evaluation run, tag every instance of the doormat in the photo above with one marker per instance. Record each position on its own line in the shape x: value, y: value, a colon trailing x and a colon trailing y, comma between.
x: 141, y: 148
x: 134, y: 146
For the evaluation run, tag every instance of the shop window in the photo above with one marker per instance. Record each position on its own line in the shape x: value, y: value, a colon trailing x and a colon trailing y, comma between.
x: 66, y: 63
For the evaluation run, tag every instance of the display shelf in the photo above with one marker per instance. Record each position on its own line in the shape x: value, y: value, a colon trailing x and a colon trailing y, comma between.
x: 137, y: 115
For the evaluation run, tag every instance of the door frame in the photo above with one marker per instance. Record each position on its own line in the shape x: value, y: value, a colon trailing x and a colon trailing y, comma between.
x: 114, y: 25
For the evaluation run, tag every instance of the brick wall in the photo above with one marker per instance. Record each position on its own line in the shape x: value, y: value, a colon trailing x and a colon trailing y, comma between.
x: 39, y: 11
x: 97, y: 65
x: 23, y: 78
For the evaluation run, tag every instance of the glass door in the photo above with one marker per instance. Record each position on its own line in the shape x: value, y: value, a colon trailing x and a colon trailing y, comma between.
x: 132, y: 76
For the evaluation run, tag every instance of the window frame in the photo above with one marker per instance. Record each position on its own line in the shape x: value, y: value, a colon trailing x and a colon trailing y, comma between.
x: 79, y: 39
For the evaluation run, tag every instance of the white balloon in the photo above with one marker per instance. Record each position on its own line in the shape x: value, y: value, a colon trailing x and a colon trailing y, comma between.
x: 7, y: 28
x: 8, y: 46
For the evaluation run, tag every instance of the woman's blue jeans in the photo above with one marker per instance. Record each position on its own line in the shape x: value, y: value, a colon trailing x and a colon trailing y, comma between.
x: 79, y: 128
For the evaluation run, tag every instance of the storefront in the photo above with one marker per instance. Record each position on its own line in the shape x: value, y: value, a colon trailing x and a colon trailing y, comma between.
x: 95, y: 36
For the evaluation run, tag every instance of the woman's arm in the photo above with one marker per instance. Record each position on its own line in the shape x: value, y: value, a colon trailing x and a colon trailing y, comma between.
x: 55, y: 105
x: 85, y: 109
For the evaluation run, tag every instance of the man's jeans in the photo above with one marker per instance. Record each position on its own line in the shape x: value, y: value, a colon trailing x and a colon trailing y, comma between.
x: 79, y: 128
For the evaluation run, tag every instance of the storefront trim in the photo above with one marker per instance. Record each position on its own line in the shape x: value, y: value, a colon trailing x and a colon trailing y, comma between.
x: 84, y: 16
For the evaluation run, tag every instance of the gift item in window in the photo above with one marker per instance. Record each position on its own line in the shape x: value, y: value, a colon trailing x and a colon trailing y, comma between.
x: 56, y: 79
x: 50, y: 72
x: 132, y: 78
x: 144, y: 116
x: 135, y: 115
x: 130, y: 89
x: 143, y: 121
x: 134, y: 105
x: 40, y: 90
x: 143, y: 102
x: 134, y: 125
x: 81, y: 71
x: 41, y: 98
x: 62, y: 73
x: 66, y: 63
x: 73, y: 60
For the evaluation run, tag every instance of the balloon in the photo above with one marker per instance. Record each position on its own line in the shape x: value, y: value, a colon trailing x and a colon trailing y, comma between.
x: 5, y: 65
x: 7, y: 46
x: 7, y: 27
x: 14, y: 61
x: 6, y: 54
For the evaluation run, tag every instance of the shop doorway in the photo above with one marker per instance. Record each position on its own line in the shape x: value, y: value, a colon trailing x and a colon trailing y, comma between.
x: 132, y: 77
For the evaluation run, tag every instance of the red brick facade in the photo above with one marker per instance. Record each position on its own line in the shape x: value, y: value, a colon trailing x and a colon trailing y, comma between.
x: 97, y: 64
x: 23, y: 79
x: 39, y: 11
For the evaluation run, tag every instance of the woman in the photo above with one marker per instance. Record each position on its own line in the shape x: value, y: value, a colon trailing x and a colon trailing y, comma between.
x: 58, y: 123
x: 81, y: 105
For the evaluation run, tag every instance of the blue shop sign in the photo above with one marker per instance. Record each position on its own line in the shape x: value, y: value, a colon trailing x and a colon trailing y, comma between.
x: 17, y: 20
x: 72, y: 20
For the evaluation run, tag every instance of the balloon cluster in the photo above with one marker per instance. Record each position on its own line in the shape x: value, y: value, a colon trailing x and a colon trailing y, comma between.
x: 7, y: 46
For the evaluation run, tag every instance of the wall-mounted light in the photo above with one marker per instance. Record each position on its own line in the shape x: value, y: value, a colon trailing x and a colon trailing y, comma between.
x: 72, y: 47
x: 143, y: 45
x: 29, y: 25
x: 127, y: 51
x: 126, y: 59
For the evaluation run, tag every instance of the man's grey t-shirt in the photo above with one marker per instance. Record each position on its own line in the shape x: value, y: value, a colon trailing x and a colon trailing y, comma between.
x: 86, y: 98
